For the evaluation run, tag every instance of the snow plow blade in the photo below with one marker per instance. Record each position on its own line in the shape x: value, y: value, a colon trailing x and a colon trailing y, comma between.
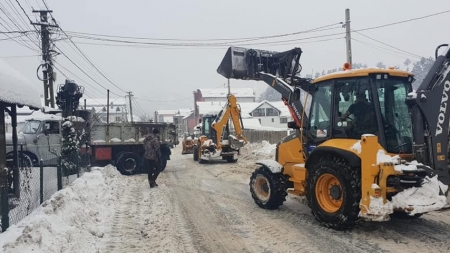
x: 246, y: 64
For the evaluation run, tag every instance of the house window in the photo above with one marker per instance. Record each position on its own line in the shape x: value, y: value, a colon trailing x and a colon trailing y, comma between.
x: 271, y: 112
x: 118, y: 119
x: 260, y: 112
x: 273, y: 120
x: 283, y: 120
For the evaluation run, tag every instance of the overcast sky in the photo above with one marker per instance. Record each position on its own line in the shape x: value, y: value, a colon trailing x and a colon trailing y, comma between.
x: 162, y: 73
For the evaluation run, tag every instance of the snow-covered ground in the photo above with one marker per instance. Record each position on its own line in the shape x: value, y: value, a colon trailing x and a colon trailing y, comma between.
x: 200, y: 208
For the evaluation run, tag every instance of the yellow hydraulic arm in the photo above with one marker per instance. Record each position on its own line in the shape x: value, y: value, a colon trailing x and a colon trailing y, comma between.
x: 230, y: 110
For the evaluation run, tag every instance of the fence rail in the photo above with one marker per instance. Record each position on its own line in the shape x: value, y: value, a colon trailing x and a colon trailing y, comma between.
x: 264, y: 135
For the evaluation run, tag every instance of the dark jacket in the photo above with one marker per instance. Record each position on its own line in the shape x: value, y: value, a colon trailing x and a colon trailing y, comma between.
x: 152, y: 147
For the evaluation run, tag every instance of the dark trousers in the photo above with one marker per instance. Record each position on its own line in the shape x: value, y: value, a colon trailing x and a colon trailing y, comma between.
x: 153, y: 170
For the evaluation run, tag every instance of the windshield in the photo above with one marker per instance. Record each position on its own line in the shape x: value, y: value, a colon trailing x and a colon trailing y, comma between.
x: 31, y: 127
x: 395, y: 114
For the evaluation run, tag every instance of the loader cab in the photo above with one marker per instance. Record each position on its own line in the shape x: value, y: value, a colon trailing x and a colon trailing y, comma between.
x: 349, y: 104
x: 207, y: 129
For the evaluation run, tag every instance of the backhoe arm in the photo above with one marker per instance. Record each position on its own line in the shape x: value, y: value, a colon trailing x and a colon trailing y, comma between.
x: 279, y: 70
x: 430, y: 114
x: 230, y: 110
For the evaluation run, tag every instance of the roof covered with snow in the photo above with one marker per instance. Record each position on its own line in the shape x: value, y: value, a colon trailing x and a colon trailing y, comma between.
x: 222, y: 92
x: 16, y: 89
x: 246, y: 107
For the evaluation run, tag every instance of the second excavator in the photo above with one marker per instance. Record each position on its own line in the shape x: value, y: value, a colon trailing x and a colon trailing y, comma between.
x: 216, y: 139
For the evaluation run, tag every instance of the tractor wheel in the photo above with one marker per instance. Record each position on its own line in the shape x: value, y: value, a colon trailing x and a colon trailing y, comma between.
x: 195, y: 153
x: 334, y: 192
x: 230, y: 159
x: 268, y: 189
x: 128, y: 163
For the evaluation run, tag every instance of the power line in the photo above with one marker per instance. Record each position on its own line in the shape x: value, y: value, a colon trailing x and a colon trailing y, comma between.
x: 403, y: 21
x: 322, y: 28
x: 83, y: 70
x: 82, y: 53
x: 390, y: 51
x: 415, y: 55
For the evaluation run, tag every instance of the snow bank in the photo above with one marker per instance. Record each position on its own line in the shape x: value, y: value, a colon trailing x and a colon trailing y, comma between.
x: 258, y: 150
x: 71, y: 220
x: 115, y: 140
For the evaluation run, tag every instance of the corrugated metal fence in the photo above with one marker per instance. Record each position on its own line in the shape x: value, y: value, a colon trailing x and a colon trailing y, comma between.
x: 264, y: 135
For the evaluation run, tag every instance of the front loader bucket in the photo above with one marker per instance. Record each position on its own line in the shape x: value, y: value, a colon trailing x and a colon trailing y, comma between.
x: 246, y: 64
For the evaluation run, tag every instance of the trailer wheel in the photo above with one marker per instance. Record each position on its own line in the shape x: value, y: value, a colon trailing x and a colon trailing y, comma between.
x: 268, y: 189
x: 195, y: 154
x: 128, y: 163
x: 334, y: 192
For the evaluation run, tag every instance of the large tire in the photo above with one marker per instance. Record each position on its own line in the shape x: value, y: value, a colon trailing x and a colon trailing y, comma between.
x: 128, y: 163
x: 230, y: 159
x: 269, y: 190
x: 195, y: 153
x: 334, y: 192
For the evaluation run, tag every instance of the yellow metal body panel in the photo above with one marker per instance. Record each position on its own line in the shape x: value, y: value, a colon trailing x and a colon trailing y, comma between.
x: 362, y: 72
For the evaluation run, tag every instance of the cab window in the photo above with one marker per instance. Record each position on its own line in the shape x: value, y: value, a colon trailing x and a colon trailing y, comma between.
x: 320, y: 112
x: 51, y: 127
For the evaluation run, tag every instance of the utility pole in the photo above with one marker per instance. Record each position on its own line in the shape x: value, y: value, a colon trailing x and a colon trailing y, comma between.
x: 107, y: 116
x: 47, y: 64
x: 348, y: 39
x: 156, y: 116
x: 131, y: 108
x: 229, y: 89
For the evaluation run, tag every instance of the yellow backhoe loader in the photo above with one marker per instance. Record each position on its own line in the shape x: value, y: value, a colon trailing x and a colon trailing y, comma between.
x: 368, y: 147
x: 216, y: 139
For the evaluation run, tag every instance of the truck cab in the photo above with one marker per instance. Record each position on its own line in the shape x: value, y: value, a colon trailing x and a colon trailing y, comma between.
x: 35, y: 136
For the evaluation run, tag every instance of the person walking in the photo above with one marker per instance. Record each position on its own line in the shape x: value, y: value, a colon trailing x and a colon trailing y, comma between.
x: 153, y: 156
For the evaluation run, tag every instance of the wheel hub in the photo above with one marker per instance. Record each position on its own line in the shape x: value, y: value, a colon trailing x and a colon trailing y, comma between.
x: 329, y: 193
x: 335, y: 192
x: 262, y: 188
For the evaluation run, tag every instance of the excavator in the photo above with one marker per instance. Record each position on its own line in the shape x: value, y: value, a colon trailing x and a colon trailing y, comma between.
x: 190, y: 141
x: 216, y: 139
x: 387, y: 159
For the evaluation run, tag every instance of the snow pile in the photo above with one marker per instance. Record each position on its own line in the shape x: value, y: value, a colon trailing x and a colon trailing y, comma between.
x: 382, y: 157
x: 115, y: 140
x: 72, y: 219
x: 98, y: 141
x: 423, y: 199
x: 130, y: 140
x: 258, y: 150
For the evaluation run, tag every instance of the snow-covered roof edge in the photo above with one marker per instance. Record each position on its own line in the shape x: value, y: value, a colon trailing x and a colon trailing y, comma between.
x: 16, y: 89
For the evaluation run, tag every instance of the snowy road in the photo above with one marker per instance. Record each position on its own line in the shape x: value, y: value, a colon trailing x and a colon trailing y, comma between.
x: 201, y: 208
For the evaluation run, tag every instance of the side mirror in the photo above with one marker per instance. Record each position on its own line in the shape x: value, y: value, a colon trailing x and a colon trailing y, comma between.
x: 293, y: 125
x: 296, y: 94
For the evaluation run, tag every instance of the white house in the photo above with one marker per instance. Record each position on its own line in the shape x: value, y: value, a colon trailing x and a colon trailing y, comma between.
x: 269, y: 114
x: 272, y: 114
x: 118, y: 110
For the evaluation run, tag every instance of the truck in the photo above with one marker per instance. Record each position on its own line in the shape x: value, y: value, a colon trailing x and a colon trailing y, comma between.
x: 120, y: 144
x: 367, y: 167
